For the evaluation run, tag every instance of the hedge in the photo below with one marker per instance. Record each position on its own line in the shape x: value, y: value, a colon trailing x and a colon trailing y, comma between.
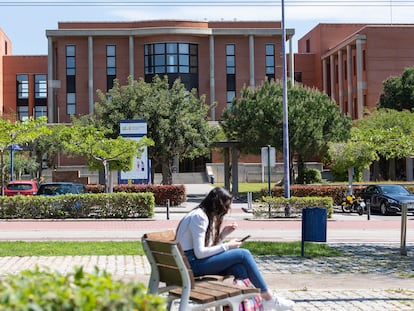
x: 175, y: 193
x: 105, y: 205
x: 334, y: 192
x: 271, y: 207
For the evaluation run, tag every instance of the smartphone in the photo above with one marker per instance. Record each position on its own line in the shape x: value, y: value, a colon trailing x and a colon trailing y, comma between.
x: 245, y: 238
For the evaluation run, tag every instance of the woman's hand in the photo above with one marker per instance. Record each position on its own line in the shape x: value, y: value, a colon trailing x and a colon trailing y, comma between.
x: 234, y: 243
x: 227, y: 230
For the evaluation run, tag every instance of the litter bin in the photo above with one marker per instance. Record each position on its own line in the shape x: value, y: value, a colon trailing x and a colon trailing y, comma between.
x: 313, y: 225
x: 212, y: 179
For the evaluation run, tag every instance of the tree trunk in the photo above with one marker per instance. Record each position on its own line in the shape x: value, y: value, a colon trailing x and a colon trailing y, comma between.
x: 166, y: 172
x: 301, y: 170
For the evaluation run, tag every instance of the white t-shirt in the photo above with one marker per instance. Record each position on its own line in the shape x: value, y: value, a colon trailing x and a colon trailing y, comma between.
x: 191, y: 235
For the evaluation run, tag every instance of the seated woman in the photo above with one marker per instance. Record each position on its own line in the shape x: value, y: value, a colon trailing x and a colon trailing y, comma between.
x: 201, y: 236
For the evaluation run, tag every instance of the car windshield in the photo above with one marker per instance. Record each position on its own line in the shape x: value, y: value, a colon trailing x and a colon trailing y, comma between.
x: 395, y: 189
x: 19, y: 187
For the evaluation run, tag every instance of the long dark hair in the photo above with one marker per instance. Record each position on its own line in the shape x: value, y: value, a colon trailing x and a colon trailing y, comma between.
x: 216, y: 204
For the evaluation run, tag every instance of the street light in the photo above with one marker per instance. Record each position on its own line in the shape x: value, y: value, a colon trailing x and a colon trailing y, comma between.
x: 286, y: 165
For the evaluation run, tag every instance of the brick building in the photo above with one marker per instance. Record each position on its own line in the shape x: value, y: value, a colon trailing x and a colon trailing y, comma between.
x: 350, y: 61
x: 347, y: 61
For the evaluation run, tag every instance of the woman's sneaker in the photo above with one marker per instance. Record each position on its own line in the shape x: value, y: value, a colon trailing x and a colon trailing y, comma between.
x: 278, y: 304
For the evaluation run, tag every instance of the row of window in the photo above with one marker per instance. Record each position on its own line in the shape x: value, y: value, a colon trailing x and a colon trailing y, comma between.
x: 231, y: 68
x: 40, y: 86
x: 22, y: 95
x: 172, y: 58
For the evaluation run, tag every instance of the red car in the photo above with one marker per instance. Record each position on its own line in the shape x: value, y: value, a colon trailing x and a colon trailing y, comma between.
x: 23, y: 187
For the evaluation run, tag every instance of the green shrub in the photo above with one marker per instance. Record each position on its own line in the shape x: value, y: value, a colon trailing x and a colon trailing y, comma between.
x: 334, y: 192
x: 175, y: 193
x: 271, y: 207
x: 77, y: 291
x: 99, y: 205
x: 312, y: 176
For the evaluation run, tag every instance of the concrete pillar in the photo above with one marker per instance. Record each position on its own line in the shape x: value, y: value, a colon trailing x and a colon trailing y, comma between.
x: 251, y: 61
x: 291, y: 61
x: 212, y: 81
x: 131, y: 57
x: 91, y: 91
x: 340, y: 81
x: 50, y: 84
x: 325, y: 75
x: 332, y: 74
x: 349, y: 79
x: 360, y: 82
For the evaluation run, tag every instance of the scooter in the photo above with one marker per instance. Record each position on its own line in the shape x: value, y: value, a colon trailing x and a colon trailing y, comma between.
x: 352, y: 204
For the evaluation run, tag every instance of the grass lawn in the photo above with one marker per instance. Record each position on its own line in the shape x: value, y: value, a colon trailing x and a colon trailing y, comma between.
x: 21, y: 248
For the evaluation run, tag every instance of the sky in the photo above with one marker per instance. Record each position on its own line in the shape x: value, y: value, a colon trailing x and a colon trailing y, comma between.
x: 25, y: 21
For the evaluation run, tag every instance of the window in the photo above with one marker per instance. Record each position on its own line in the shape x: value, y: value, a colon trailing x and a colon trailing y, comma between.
x: 22, y: 86
x: 307, y: 45
x: 110, y: 66
x: 23, y: 112
x: 171, y: 57
x: 40, y: 86
x: 270, y: 61
x: 40, y: 111
x: 174, y: 59
x: 70, y: 79
x: 71, y: 103
x: 230, y: 73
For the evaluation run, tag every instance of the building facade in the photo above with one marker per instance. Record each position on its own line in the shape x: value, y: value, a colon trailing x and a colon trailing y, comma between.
x: 349, y: 62
x: 216, y: 58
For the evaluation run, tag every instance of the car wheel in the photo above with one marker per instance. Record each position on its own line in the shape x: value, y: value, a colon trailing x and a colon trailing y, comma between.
x: 383, y: 209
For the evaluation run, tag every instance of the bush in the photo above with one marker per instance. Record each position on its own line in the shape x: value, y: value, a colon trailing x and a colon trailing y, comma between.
x: 271, y: 207
x: 175, y: 193
x: 334, y: 192
x: 77, y: 291
x: 312, y: 176
x: 100, y: 205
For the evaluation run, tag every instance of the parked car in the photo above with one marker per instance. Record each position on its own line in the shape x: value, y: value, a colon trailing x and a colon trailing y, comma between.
x: 387, y: 198
x: 57, y: 188
x: 23, y: 187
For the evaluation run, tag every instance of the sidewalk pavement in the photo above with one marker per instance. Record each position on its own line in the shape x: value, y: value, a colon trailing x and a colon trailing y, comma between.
x: 371, y: 275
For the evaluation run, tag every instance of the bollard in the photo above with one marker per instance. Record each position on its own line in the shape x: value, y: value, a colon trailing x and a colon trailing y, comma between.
x: 403, y: 249
x: 168, y: 209
x: 368, y: 209
x: 249, y: 201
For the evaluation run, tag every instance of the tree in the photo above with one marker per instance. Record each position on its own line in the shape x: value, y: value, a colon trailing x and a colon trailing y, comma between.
x: 47, y: 147
x: 386, y: 133
x: 256, y: 120
x: 176, y: 119
x: 19, y: 133
x: 102, y: 152
x: 357, y: 153
x: 398, y: 91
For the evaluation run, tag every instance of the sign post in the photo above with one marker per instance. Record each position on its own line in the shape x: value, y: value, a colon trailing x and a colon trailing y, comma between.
x: 140, y: 173
x: 268, y: 159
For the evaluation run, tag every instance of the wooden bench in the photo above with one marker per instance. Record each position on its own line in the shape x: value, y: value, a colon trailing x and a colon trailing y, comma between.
x: 170, y: 266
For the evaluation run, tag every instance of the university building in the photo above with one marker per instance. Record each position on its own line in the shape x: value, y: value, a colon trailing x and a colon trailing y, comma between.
x: 347, y: 61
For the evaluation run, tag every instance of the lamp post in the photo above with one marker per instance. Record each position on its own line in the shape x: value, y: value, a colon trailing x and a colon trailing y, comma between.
x: 286, y: 165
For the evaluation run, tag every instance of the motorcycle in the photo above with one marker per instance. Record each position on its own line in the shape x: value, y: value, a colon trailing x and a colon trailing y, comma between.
x: 353, y: 204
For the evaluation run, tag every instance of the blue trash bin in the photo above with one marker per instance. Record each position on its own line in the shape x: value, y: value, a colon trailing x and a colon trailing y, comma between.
x: 212, y: 179
x: 314, y: 222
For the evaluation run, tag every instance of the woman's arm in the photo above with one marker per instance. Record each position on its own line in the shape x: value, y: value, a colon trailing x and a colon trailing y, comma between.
x: 198, y: 227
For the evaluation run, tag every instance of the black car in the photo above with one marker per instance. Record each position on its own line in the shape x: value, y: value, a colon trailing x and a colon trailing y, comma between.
x: 387, y: 198
x: 57, y: 188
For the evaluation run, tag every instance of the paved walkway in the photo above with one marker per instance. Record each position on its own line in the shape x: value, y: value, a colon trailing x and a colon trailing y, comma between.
x: 370, y: 276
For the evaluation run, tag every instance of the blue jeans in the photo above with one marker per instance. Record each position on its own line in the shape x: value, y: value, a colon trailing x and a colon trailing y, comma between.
x: 238, y: 262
